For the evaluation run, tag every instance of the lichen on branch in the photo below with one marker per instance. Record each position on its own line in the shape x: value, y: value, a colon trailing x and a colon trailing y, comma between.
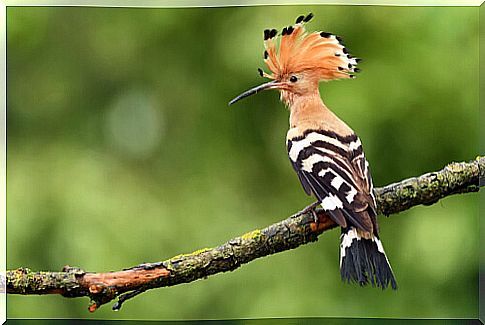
x: 290, y: 233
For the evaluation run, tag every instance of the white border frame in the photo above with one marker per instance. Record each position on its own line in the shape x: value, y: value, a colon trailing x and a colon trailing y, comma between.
x: 141, y: 3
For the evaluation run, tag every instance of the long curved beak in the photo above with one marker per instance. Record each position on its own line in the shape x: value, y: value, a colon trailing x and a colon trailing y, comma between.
x: 268, y: 85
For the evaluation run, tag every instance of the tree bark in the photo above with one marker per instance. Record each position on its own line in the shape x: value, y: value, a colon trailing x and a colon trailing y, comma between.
x: 290, y: 233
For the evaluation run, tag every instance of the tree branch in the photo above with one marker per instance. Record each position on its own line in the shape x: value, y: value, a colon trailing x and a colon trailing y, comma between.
x: 297, y: 230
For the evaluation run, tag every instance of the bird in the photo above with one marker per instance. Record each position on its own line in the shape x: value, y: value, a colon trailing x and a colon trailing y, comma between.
x: 324, y: 151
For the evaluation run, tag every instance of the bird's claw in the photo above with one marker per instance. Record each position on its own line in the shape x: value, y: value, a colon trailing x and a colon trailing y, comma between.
x: 311, y: 209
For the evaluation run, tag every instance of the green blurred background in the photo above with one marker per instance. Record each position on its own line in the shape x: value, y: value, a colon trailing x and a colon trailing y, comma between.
x: 122, y: 150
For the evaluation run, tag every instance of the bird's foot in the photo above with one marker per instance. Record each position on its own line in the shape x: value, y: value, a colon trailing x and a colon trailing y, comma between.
x: 311, y: 208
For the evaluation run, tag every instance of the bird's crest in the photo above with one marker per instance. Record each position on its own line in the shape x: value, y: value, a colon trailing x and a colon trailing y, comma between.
x: 294, y: 50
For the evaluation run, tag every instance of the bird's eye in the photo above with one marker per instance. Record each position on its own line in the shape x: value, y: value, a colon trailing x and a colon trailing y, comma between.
x: 293, y: 79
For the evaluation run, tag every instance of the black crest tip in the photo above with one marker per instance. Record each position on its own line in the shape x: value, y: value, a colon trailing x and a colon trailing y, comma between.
x: 308, y: 18
x: 358, y: 60
x: 340, y: 68
x: 283, y: 32
x: 345, y: 50
x: 299, y: 19
x: 325, y: 34
x: 273, y: 33
x: 265, y: 54
x: 356, y: 70
x: 266, y: 34
x: 290, y: 30
x: 260, y: 71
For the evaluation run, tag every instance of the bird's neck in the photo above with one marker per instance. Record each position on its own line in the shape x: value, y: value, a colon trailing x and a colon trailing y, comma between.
x: 309, y: 112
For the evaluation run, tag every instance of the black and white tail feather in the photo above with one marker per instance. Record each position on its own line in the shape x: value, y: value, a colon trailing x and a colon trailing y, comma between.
x: 333, y: 168
x: 364, y: 260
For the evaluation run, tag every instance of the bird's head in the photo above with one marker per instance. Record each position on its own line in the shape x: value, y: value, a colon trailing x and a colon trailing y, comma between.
x: 298, y: 61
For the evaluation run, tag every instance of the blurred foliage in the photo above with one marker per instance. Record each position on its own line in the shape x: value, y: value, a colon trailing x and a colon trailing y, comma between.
x: 122, y: 150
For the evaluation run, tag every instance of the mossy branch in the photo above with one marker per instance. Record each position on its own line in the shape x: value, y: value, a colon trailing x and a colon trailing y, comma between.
x: 297, y: 230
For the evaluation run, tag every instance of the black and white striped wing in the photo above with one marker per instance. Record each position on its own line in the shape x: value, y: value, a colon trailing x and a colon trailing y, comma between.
x: 362, y: 170
x: 326, y: 168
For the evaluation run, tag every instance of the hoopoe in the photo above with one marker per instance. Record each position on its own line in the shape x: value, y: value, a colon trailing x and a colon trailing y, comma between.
x: 326, y: 153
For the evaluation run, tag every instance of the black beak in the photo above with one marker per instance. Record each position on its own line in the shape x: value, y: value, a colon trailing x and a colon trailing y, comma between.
x: 269, y: 85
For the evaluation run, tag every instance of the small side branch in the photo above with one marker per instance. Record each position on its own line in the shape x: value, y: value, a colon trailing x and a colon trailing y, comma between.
x: 290, y: 233
x: 74, y: 282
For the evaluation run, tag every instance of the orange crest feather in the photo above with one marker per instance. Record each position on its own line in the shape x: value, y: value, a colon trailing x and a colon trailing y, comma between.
x: 295, y: 50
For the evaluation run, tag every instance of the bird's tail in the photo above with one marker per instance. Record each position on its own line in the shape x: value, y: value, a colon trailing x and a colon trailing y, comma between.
x: 363, y: 260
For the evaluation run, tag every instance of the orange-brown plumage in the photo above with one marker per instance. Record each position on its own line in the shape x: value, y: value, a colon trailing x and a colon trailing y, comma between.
x: 295, y: 50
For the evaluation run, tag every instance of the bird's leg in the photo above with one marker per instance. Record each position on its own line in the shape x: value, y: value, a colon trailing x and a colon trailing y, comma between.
x: 311, y: 208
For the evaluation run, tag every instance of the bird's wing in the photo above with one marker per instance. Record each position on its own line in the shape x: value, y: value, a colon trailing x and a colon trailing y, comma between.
x: 362, y: 170
x: 324, y: 164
